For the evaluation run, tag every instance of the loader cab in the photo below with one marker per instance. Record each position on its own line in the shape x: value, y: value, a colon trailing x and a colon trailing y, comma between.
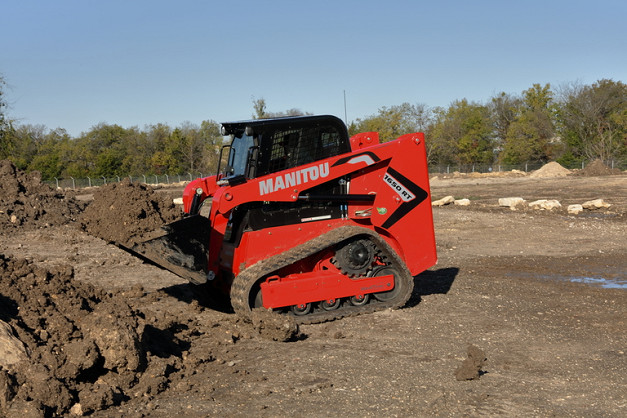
x: 264, y: 146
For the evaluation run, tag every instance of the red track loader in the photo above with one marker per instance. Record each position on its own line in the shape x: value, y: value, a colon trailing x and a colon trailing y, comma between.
x: 305, y: 220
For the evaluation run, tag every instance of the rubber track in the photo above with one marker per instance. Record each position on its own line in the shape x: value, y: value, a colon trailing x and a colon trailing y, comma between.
x: 243, y: 283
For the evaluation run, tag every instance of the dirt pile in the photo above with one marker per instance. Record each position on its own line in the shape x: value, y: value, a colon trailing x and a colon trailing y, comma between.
x: 471, y: 366
x: 88, y: 349
x: 83, y: 344
x: 598, y: 168
x: 552, y: 169
x: 274, y: 327
x: 124, y: 212
x: 27, y: 202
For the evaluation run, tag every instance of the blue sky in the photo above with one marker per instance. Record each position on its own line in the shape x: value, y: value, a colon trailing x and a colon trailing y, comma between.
x: 74, y: 64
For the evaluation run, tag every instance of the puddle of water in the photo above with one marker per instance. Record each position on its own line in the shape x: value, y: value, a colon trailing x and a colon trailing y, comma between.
x: 619, y: 282
x: 599, y: 281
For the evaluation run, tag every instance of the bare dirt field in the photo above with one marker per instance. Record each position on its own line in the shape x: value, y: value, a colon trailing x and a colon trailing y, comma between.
x: 537, y: 298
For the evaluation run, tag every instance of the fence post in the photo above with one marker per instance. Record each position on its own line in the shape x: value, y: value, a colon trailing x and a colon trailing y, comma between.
x: 156, y: 180
x: 57, y: 180
x: 526, y: 167
x: 118, y: 178
x: 190, y: 176
x: 144, y: 178
x: 89, y: 181
x: 130, y: 179
x: 448, y: 169
x: 582, y: 165
x: 73, y: 183
x: 167, y: 179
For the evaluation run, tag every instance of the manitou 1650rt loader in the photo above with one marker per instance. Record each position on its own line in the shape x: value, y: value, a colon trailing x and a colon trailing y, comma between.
x: 305, y: 220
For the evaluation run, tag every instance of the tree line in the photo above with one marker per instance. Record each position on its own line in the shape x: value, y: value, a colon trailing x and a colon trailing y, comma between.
x: 572, y: 124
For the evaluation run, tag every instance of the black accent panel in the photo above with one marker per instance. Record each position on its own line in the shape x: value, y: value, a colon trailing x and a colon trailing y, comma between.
x: 280, y: 213
x: 405, y: 207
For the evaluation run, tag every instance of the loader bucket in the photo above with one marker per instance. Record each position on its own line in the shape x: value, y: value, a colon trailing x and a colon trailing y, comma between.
x: 180, y: 247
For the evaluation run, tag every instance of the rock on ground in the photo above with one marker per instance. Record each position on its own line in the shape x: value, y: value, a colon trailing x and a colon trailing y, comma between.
x: 511, y: 202
x: 444, y: 201
x: 595, y: 204
x: 12, y: 350
x: 544, y: 204
x: 575, y: 209
x: 462, y: 202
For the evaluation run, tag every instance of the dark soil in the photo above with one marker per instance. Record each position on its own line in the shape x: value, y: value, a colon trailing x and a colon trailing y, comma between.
x: 90, y: 349
x: 26, y: 202
x: 124, y: 212
x: 598, y: 168
x: 107, y: 335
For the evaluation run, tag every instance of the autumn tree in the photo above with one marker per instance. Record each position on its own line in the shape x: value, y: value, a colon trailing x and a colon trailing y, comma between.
x: 261, y: 112
x: 504, y: 108
x: 211, y: 143
x: 594, y: 120
x: 5, y: 125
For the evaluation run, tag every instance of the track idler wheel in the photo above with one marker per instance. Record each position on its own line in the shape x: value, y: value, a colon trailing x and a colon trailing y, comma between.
x: 398, y: 285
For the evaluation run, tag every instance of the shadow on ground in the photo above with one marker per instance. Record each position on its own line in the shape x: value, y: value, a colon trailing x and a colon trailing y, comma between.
x: 426, y: 283
x: 432, y: 282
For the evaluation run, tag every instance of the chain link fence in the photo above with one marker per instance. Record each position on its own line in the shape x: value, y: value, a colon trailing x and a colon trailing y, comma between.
x: 526, y: 167
x: 153, y: 179
x: 81, y: 183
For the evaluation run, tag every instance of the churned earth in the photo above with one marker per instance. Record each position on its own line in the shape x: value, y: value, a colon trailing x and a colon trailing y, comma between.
x: 523, y: 315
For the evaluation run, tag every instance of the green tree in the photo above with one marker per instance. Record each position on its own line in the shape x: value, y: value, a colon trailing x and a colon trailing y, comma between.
x: 463, y: 134
x: 49, y: 160
x: 395, y: 121
x: 102, y: 150
x: 531, y: 135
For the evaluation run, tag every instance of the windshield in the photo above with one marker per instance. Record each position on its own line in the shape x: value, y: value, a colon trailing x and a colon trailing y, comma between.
x: 238, y: 155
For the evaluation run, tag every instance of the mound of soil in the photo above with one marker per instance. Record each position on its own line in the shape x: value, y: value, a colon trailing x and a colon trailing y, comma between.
x: 88, y: 350
x: 27, y: 202
x: 598, y: 168
x: 83, y: 344
x: 552, y: 169
x: 124, y: 212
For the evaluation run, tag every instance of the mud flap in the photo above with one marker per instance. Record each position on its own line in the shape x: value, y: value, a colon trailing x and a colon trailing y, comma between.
x: 180, y: 247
